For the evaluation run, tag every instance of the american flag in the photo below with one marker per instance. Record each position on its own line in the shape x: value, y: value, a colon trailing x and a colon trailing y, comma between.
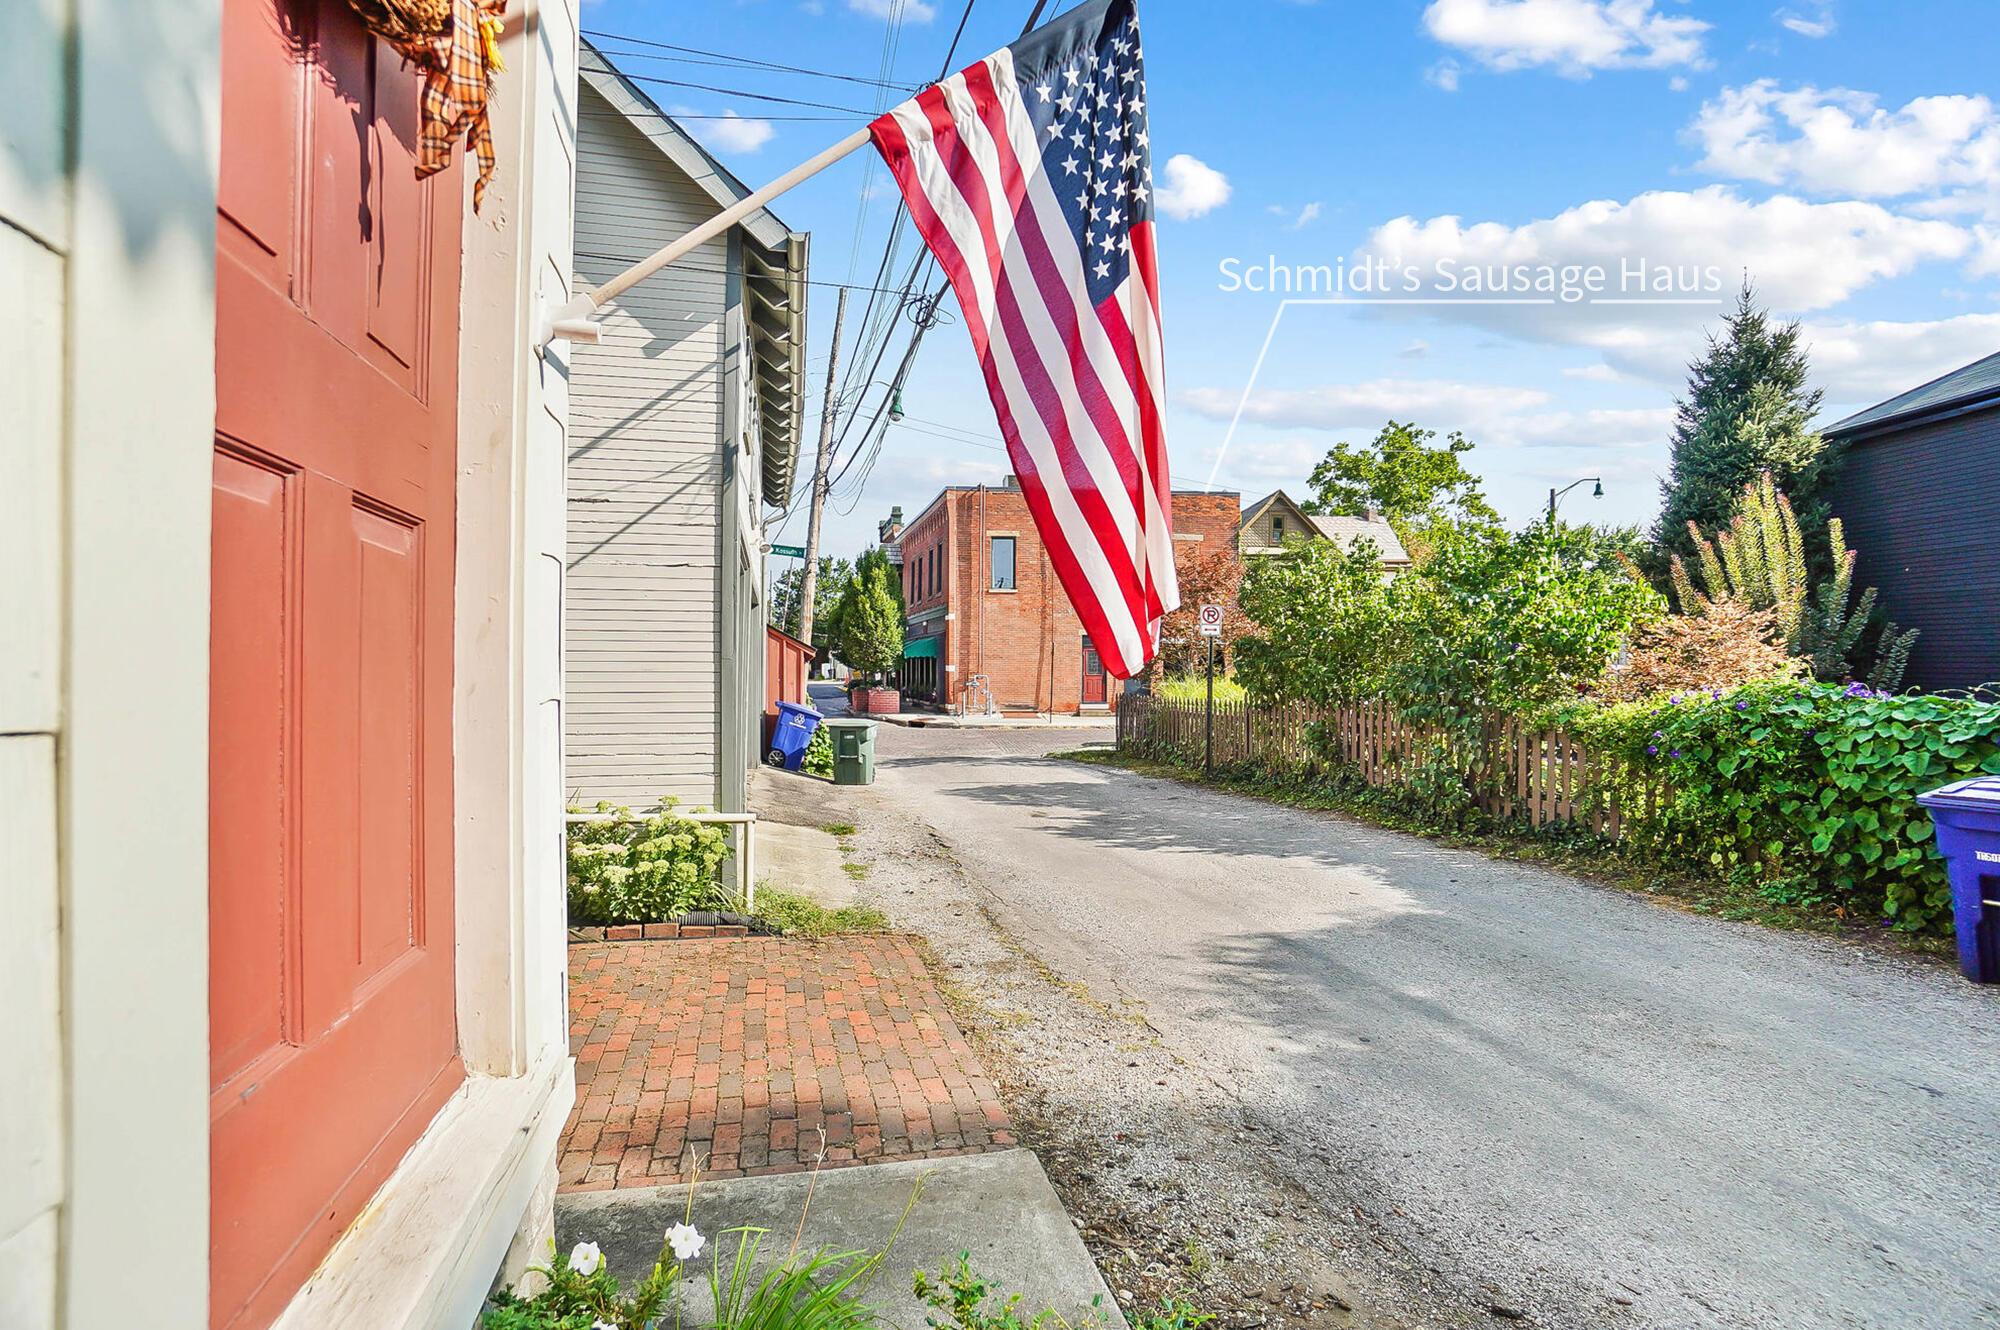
x: 1029, y: 176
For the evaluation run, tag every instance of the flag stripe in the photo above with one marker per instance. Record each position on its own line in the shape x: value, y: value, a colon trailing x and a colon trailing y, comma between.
x: 938, y: 210
x: 1052, y: 358
x: 1048, y: 244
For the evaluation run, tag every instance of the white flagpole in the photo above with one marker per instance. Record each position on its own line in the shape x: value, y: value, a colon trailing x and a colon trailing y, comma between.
x: 573, y: 320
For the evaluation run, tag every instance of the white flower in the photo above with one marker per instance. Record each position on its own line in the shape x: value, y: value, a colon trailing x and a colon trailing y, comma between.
x: 602, y: 1325
x: 687, y: 1243
x: 585, y: 1259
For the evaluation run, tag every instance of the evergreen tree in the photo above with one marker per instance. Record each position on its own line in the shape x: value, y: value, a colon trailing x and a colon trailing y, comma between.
x: 1747, y: 412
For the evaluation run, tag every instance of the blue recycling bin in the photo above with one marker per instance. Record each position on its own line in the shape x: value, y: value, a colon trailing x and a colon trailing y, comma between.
x: 1967, y: 816
x: 791, y: 734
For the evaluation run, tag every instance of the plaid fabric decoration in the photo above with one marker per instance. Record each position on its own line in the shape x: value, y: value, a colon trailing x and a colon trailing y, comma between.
x: 456, y: 88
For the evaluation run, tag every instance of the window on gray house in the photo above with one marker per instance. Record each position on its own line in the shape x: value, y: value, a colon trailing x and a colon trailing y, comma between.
x: 1000, y: 559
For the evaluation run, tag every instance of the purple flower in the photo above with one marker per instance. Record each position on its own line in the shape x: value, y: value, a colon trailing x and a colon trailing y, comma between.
x: 1715, y: 693
x: 1659, y: 734
x: 1652, y: 750
x: 1858, y: 689
x: 1742, y: 706
x: 1675, y: 754
x: 1674, y: 701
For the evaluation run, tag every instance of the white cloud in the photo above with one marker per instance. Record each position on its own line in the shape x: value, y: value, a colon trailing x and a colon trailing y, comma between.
x: 1296, y: 425
x: 1811, y: 20
x: 728, y: 132
x: 1416, y: 350
x: 1860, y: 363
x: 1307, y: 215
x: 1842, y: 142
x: 1574, y: 37
x: 1802, y: 256
x: 1192, y: 188
x: 1355, y: 405
x: 1987, y: 262
x: 1443, y: 74
x: 1598, y: 373
x: 1678, y: 83
x: 910, y: 11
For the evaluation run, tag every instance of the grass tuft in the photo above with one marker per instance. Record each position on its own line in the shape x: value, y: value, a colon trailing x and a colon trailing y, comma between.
x: 795, y: 915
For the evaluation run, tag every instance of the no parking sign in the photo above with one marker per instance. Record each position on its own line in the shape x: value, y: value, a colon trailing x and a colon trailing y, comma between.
x: 1211, y: 620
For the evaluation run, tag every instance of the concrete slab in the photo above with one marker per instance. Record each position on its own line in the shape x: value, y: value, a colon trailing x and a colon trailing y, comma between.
x: 997, y: 1206
x: 803, y: 859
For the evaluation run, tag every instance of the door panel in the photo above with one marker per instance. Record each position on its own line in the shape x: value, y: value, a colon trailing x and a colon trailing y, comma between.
x: 252, y: 976
x: 331, y: 990
x: 1094, y: 691
x: 390, y: 630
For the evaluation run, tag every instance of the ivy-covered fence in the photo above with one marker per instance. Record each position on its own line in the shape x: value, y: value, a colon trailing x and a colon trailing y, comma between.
x: 1806, y: 791
x: 1512, y: 771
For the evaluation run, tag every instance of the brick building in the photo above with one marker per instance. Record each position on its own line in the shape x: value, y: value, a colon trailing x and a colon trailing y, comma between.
x: 986, y: 617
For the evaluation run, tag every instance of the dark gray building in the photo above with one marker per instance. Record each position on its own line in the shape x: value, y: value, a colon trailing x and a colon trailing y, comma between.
x: 1919, y: 492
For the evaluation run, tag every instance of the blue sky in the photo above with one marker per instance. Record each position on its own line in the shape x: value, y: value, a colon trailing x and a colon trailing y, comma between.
x: 1841, y: 154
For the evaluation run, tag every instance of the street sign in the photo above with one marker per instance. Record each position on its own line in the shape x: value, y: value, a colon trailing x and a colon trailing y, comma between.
x: 789, y: 551
x: 1211, y: 620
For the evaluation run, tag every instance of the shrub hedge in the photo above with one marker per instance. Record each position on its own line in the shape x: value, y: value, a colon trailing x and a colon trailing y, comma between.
x: 1805, y: 790
x: 643, y: 870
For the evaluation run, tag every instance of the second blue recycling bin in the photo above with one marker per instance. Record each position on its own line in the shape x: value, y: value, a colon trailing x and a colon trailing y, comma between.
x: 791, y: 734
x: 1967, y: 816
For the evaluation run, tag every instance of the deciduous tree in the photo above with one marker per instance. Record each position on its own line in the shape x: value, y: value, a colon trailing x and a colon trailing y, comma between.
x: 1414, y: 482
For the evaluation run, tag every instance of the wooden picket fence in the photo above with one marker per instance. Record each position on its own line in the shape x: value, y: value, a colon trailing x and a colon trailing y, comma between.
x: 1540, y: 777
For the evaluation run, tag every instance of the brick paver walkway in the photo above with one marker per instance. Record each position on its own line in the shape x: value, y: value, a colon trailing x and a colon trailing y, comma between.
x: 738, y: 1051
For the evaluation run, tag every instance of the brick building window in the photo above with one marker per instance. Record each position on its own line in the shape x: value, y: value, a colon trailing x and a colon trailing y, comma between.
x: 1000, y: 561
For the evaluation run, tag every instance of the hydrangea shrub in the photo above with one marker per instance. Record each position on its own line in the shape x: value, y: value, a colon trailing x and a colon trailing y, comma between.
x: 642, y: 870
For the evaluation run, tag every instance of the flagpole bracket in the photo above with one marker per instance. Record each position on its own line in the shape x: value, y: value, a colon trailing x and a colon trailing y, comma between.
x: 571, y: 322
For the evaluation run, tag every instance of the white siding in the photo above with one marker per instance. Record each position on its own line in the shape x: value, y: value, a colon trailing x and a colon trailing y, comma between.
x: 642, y: 611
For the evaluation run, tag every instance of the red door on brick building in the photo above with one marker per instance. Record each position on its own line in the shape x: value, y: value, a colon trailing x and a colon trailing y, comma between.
x: 1095, y: 688
x: 331, y: 997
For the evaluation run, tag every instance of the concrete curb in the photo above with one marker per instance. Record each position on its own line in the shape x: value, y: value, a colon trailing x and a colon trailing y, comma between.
x: 997, y: 1206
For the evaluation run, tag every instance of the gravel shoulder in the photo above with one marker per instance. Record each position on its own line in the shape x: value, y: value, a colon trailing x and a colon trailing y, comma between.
x: 1176, y: 1183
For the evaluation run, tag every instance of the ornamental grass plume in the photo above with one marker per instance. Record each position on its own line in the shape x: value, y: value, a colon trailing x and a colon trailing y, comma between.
x: 1759, y: 561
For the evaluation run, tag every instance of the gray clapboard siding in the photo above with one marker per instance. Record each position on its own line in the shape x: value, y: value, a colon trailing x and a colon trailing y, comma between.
x: 642, y: 613
x: 1922, y: 506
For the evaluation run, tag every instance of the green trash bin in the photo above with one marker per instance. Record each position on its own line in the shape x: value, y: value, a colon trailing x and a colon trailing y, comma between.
x: 853, y: 751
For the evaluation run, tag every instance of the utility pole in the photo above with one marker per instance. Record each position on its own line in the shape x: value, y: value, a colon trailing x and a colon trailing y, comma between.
x: 809, y: 579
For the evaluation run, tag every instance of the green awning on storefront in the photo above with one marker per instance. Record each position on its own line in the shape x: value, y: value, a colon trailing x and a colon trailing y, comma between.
x: 920, y: 648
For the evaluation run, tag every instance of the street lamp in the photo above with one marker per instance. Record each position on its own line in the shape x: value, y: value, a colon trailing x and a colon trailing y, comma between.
x: 1555, y: 494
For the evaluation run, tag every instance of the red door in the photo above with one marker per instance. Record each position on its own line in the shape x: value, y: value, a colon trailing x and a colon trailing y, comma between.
x: 1094, y: 689
x: 331, y: 1007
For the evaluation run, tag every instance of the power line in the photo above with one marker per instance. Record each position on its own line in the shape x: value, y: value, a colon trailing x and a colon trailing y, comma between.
x: 725, y: 58
x: 741, y: 92
x: 679, y: 116
x: 958, y: 434
x: 685, y: 266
